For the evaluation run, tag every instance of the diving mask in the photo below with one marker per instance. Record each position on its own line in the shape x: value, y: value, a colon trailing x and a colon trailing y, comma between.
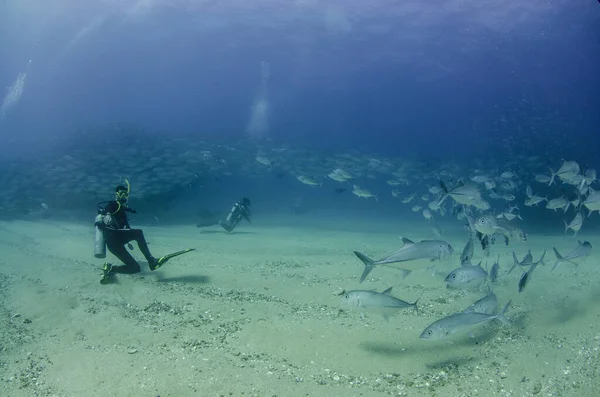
x: 122, y: 192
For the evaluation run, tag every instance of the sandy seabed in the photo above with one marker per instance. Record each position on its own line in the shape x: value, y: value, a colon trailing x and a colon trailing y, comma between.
x: 256, y: 313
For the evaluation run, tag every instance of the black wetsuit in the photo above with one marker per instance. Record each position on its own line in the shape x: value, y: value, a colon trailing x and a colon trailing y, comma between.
x: 119, y: 233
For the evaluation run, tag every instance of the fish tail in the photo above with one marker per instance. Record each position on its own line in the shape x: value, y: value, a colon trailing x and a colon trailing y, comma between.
x: 566, y: 227
x: 559, y: 258
x: 500, y: 316
x: 369, y: 264
x: 552, y: 175
x: 515, y: 264
x: 414, y: 304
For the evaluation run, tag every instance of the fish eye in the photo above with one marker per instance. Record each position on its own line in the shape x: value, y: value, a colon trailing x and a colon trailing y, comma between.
x: 449, y: 247
x: 429, y: 332
x: 454, y: 276
x: 346, y: 296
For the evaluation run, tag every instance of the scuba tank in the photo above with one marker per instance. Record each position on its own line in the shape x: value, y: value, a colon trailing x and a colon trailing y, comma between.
x: 99, y: 243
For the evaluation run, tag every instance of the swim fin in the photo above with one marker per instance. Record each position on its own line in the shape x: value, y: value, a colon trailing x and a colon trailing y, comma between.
x: 163, y: 259
x: 106, y: 273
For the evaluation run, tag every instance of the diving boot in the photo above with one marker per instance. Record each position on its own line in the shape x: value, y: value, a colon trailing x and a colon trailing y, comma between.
x: 106, y: 273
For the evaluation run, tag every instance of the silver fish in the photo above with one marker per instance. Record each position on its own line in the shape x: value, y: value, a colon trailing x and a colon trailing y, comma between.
x: 557, y: 203
x: 494, y: 270
x: 375, y: 302
x: 590, y: 176
x: 467, y: 253
x: 409, y: 199
x: 592, y: 202
x: 466, y: 276
x: 456, y: 322
x: 534, y: 200
x: 526, y: 261
x: 567, y: 171
x: 526, y: 276
x: 466, y: 194
x: 575, y: 224
x: 542, y: 178
x: 486, y: 305
x: 582, y: 251
x: 426, y: 249
x: 511, y: 230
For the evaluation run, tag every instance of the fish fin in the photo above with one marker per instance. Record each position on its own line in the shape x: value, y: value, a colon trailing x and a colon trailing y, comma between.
x: 406, y: 241
x: 369, y: 265
x: 500, y: 316
x: 443, y: 186
x: 566, y: 227
x: 542, y: 258
x: 523, y: 281
x: 386, y: 318
x: 405, y: 273
x: 559, y: 258
x: 387, y: 291
x: 414, y: 304
x: 515, y: 262
x: 552, y: 175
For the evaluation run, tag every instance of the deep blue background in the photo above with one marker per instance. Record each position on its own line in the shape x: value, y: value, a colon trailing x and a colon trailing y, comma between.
x: 436, y: 78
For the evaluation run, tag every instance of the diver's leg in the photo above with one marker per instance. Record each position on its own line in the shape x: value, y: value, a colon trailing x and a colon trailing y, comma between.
x: 116, y: 245
x: 138, y: 236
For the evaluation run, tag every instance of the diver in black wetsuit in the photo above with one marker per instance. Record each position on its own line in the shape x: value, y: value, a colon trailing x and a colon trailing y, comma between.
x: 118, y: 233
x: 239, y: 211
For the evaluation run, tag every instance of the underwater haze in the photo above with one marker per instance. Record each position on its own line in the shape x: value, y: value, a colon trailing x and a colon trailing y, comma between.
x: 433, y: 77
x: 354, y: 198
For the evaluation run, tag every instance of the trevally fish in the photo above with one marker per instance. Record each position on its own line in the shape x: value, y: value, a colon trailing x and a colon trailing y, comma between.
x: 462, y: 321
x: 466, y: 276
x: 307, y: 180
x: 592, y: 202
x: 494, y: 270
x: 535, y: 200
x: 363, y: 193
x: 467, y: 253
x: 542, y: 178
x: 426, y: 249
x: 557, y: 203
x: 375, y: 302
x: 462, y: 194
x: 486, y: 305
x: 511, y: 230
x: 582, y: 250
x: 575, y: 224
x: 526, y: 261
x: 567, y: 170
x: 526, y: 276
x: 487, y: 225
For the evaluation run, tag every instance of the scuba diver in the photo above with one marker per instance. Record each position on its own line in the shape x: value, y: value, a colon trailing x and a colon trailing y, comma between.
x: 239, y: 211
x: 113, y: 231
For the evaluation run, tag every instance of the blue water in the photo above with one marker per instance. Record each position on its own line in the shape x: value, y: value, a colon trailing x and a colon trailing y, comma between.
x: 201, y: 102
x: 436, y: 78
